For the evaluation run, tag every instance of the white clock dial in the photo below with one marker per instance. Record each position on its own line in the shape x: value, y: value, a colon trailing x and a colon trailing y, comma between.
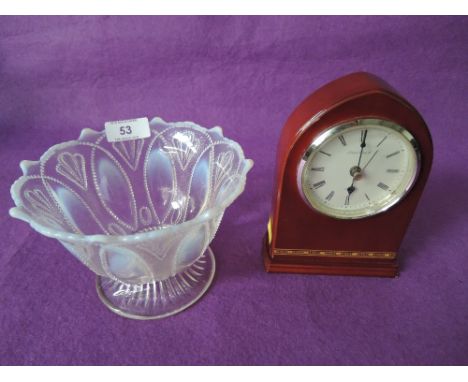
x: 359, y: 169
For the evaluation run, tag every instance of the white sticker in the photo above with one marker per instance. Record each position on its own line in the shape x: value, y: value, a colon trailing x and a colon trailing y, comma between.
x: 117, y: 131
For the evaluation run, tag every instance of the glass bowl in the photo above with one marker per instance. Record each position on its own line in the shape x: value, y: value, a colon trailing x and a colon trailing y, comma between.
x: 140, y: 213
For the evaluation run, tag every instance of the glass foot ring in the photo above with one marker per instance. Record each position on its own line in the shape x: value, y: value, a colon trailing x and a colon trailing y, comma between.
x: 158, y: 299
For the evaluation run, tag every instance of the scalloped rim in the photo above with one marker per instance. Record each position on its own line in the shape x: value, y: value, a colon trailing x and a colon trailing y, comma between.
x: 18, y: 211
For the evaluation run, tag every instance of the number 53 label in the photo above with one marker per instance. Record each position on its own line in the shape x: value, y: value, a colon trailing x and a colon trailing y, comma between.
x: 117, y: 131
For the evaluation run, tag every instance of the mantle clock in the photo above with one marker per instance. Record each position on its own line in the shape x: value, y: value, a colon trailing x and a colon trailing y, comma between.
x: 352, y: 162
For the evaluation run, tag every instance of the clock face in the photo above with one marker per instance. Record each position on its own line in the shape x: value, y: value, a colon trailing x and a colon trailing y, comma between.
x: 359, y: 169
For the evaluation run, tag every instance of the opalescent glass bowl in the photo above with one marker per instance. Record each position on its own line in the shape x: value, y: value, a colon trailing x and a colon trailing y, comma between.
x: 140, y: 214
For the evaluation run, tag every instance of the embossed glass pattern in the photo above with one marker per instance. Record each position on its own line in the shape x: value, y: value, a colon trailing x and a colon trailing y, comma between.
x: 139, y: 213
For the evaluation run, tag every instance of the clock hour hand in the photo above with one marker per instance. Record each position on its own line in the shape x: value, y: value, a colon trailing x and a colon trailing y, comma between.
x: 350, y: 190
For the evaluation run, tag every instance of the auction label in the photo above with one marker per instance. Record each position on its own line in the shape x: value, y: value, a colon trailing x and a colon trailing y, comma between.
x: 117, y: 131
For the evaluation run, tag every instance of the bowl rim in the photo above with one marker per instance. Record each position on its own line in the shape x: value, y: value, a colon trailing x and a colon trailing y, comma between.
x: 19, y: 212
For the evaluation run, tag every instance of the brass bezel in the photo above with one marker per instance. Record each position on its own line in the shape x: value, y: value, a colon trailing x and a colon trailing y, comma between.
x: 339, y: 129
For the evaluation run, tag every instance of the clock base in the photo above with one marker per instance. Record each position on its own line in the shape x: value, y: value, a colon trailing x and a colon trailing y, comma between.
x: 320, y: 266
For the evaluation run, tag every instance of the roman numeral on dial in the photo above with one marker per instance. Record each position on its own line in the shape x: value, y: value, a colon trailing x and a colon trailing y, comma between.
x: 393, y: 154
x: 318, y: 184
x: 393, y: 170
x: 317, y: 169
x: 383, y: 186
x: 342, y: 140
x: 330, y: 196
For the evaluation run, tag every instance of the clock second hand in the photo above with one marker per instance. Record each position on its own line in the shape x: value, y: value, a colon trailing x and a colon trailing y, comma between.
x: 372, y: 157
x: 351, y: 188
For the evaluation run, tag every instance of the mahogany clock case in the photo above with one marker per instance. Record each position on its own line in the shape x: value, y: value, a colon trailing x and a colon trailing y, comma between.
x: 302, y: 240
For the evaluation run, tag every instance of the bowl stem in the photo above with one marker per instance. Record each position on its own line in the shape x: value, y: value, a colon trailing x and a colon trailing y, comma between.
x: 158, y: 299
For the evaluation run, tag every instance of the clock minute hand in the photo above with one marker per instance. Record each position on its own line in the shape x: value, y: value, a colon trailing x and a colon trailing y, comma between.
x: 351, y: 188
x: 363, y: 144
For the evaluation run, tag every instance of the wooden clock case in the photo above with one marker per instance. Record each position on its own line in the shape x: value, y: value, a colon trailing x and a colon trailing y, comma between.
x: 301, y: 239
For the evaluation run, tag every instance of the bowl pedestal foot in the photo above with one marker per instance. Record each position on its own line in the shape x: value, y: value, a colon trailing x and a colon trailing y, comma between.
x: 158, y: 299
